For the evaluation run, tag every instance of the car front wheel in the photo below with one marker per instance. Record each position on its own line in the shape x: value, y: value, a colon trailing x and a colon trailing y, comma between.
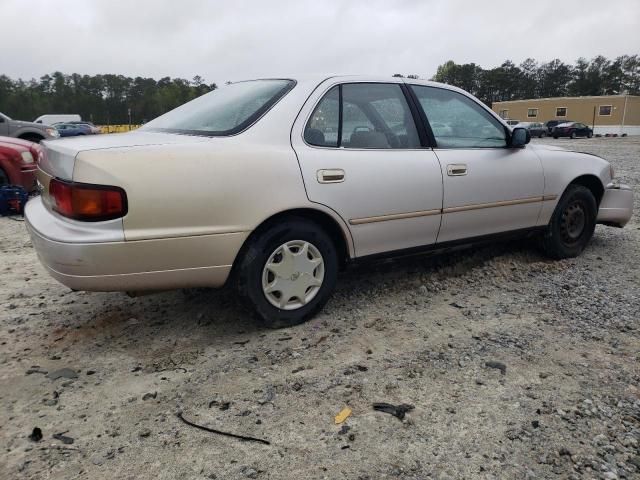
x: 572, y: 224
x: 288, y: 272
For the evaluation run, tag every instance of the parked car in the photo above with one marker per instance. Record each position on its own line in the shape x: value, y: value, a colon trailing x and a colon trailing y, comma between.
x: 18, y: 162
x: 50, y: 119
x: 536, y: 129
x: 73, y: 129
x: 244, y: 185
x: 32, y: 132
x: 94, y: 130
x: 552, y: 123
x: 572, y: 130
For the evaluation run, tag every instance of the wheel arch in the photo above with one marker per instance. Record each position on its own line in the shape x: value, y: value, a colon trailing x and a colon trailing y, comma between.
x: 338, y: 233
x: 27, y: 135
x: 593, y: 183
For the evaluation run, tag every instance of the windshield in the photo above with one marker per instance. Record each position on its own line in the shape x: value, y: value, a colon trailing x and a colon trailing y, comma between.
x: 224, y: 111
x: 5, y: 116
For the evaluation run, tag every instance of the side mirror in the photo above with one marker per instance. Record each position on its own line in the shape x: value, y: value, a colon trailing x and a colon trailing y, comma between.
x: 520, y: 137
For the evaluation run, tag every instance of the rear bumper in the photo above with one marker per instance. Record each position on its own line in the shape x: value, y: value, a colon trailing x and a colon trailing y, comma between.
x: 82, y: 261
x: 616, y: 206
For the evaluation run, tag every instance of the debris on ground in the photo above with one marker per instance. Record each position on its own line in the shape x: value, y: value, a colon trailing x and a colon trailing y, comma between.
x: 397, y: 411
x: 63, y: 438
x: 63, y: 373
x: 220, y: 432
x: 342, y: 416
x: 36, y: 435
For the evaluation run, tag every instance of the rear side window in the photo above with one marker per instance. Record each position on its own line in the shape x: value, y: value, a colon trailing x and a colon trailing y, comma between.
x: 225, y: 111
x: 363, y: 116
x: 457, y: 121
x: 322, y: 127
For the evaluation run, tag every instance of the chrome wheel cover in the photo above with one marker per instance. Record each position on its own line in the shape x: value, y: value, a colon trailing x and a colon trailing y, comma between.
x: 293, y: 275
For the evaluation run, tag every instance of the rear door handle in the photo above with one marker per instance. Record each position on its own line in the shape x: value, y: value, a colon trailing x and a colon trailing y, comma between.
x: 334, y: 175
x: 456, y: 169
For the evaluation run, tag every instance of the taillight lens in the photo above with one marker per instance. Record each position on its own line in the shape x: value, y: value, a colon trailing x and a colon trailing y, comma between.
x: 83, y: 201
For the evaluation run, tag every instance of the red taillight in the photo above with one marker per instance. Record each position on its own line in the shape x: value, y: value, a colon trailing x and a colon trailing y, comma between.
x: 82, y: 201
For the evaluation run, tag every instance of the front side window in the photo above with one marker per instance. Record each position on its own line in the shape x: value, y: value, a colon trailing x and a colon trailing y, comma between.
x: 561, y: 112
x: 457, y: 121
x: 225, y: 111
x: 604, y: 110
x: 363, y: 115
x: 532, y: 112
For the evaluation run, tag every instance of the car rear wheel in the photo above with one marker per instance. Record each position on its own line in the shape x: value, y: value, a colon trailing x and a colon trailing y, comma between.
x: 590, y: 134
x: 573, y: 135
x: 542, y: 135
x: 288, y: 272
x: 572, y: 224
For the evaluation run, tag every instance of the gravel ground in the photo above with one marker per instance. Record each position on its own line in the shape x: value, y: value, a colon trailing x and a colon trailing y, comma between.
x: 518, y: 367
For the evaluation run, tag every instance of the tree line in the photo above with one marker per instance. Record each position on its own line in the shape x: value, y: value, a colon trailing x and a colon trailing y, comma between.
x: 530, y: 79
x: 102, y: 99
x: 108, y: 99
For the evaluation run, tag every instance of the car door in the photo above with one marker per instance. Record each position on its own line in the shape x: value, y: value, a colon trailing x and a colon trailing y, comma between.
x: 488, y: 187
x: 361, y: 154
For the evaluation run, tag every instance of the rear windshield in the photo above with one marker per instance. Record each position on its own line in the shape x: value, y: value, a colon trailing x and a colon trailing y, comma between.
x: 225, y: 111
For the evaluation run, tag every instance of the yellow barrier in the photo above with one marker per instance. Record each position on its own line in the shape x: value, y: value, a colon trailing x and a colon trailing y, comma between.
x: 117, y: 128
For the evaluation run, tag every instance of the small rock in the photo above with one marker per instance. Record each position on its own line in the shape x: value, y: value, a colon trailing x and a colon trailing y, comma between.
x: 62, y: 373
x: 498, y: 366
x: 97, y: 459
x: 249, y: 472
x: 564, y: 452
x: 149, y: 396
x: 145, y: 432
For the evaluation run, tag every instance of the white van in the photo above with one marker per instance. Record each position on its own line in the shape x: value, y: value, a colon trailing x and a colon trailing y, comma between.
x: 51, y: 119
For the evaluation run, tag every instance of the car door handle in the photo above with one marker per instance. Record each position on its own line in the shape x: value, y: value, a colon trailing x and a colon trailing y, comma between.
x: 334, y: 175
x: 456, y: 169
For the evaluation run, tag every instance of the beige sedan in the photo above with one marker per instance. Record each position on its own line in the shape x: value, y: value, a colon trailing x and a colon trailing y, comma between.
x: 280, y: 183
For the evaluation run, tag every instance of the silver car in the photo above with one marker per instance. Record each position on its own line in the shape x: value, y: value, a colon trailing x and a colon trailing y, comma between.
x: 277, y: 184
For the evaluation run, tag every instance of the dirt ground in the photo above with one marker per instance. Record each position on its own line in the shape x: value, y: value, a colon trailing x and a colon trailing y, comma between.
x: 559, y: 399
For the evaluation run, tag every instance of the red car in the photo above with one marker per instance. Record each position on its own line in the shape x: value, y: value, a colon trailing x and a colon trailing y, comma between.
x: 19, y: 162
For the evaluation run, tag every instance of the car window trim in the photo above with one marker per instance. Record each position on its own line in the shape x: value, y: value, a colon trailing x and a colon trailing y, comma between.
x: 507, y: 132
x: 340, y: 107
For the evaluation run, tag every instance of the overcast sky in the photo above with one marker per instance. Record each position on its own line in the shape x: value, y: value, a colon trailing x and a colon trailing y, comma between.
x: 237, y: 39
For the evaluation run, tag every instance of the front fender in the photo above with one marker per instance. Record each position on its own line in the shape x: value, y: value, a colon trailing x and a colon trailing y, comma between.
x: 561, y: 168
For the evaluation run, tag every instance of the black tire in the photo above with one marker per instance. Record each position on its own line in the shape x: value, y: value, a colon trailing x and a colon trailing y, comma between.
x: 32, y: 137
x: 555, y: 137
x: 573, y: 135
x: 4, y: 178
x: 542, y: 135
x: 590, y: 134
x: 249, y: 272
x: 572, y: 224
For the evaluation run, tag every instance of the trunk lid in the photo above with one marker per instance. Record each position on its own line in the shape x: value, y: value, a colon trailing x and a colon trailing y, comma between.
x: 60, y: 154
